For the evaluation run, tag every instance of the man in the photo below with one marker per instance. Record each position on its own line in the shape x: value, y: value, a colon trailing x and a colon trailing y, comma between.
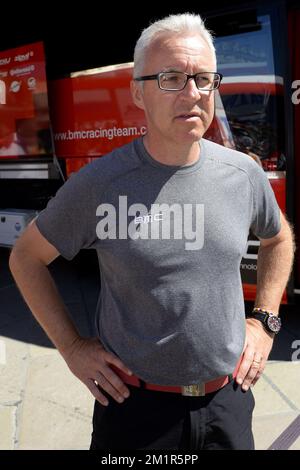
x: 169, y: 216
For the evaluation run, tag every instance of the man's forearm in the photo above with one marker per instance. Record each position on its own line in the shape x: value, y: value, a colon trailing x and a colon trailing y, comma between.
x: 273, y: 270
x: 42, y: 297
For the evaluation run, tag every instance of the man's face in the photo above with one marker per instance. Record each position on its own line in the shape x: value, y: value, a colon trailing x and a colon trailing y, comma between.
x: 180, y: 117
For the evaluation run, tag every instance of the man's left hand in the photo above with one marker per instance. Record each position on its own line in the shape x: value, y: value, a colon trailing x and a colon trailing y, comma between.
x: 257, y: 348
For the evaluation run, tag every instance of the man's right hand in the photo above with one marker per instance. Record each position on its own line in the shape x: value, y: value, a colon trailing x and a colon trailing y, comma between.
x: 86, y: 358
x: 90, y: 362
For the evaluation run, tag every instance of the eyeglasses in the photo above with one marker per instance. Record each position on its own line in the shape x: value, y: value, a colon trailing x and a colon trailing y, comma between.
x: 176, y: 81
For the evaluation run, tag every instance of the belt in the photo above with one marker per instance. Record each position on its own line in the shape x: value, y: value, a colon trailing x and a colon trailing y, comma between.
x: 195, y: 390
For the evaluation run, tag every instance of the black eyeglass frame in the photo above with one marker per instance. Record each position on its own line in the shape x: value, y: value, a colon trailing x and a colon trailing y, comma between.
x: 188, y: 77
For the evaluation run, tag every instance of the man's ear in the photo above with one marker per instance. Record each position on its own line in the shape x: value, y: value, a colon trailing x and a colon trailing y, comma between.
x: 137, y: 94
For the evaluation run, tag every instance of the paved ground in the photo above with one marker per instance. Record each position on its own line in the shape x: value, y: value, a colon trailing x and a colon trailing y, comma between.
x: 43, y: 406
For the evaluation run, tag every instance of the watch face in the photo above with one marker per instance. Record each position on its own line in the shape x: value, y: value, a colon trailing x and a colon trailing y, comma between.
x: 274, y: 323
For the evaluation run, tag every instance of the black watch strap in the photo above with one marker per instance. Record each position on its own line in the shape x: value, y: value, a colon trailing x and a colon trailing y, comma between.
x: 259, y: 316
x: 270, y: 321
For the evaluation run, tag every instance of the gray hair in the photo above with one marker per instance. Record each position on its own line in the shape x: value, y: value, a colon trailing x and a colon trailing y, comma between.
x: 186, y: 23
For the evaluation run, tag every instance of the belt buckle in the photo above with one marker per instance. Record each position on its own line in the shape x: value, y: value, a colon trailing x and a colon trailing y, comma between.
x: 195, y: 390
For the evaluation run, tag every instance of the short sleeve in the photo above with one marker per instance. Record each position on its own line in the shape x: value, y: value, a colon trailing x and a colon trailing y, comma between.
x: 266, y: 213
x: 69, y: 220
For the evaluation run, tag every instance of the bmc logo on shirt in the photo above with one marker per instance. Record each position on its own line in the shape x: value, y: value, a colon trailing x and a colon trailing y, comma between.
x: 162, y: 222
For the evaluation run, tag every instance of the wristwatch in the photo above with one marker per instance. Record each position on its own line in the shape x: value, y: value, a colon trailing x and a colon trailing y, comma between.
x: 270, y: 321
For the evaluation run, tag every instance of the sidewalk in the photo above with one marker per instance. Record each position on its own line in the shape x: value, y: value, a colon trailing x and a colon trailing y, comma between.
x: 43, y: 406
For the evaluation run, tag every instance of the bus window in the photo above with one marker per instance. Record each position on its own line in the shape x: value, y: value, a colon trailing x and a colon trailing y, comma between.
x: 252, y: 87
x: 254, y: 120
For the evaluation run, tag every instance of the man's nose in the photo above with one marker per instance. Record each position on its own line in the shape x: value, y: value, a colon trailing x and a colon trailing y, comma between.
x: 191, y: 89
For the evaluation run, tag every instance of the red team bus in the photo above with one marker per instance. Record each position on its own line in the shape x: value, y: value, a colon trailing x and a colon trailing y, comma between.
x: 50, y: 128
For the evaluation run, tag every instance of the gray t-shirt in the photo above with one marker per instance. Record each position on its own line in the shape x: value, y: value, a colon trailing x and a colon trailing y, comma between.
x: 170, y: 241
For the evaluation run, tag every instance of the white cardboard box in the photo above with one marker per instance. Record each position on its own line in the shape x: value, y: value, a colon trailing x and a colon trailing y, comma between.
x: 12, y: 224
